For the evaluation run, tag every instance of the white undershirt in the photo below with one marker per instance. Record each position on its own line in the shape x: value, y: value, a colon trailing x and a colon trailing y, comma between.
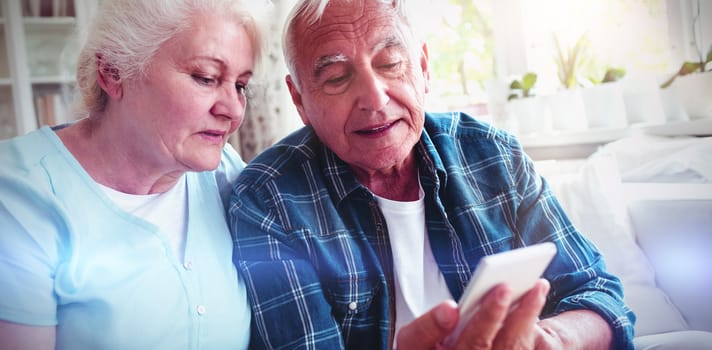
x: 167, y: 210
x: 419, y: 283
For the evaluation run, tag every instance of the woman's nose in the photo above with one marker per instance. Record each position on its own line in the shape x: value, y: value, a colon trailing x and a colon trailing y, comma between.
x: 230, y: 103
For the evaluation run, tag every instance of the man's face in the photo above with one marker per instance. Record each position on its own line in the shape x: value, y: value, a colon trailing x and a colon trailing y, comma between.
x: 362, y: 80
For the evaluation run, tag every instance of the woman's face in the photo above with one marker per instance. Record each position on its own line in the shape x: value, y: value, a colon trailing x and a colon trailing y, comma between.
x: 192, y: 97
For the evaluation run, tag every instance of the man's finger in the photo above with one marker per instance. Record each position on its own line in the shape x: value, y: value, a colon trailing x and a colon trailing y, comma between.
x: 485, y: 323
x: 428, y: 330
x: 518, y: 330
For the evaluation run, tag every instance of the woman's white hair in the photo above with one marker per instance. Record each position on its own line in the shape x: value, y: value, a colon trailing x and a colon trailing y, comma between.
x: 126, y: 34
x: 311, y: 11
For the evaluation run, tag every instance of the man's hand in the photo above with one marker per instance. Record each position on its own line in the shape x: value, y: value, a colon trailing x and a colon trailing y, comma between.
x: 429, y: 330
x: 493, y: 326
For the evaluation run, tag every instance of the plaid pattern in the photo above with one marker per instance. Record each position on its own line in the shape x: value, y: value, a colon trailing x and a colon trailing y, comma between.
x: 313, y: 246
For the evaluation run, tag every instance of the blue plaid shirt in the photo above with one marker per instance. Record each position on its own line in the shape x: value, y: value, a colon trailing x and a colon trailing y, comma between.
x: 313, y: 245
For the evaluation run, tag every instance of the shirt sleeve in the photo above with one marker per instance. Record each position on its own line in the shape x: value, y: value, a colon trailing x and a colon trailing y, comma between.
x: 289, y: 307
x: 578, y: 275
x: 29, y: 246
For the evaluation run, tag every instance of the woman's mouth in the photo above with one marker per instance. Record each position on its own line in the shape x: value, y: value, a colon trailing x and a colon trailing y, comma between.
x: 213, y: 135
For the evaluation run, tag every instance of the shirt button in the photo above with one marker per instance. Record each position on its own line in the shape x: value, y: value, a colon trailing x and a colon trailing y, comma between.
x: 352, y: 305
x: 200, y: 309
x: 188, y: 265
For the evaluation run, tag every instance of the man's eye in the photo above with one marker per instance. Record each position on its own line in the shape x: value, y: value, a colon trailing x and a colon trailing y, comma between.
x: 392, y: 66
x: 337, y: 84
x: 337, y: 80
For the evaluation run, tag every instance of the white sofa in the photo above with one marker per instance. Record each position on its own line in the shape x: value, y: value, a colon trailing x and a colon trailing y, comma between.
x: 646, y: 202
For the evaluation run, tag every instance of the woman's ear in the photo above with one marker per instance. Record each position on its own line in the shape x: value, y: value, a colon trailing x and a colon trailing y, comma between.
x: 109, y: 78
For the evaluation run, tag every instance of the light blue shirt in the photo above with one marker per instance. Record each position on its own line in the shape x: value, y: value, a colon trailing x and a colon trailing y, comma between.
x: 109, y: 280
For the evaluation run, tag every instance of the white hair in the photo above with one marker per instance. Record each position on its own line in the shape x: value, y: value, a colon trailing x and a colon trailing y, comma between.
x: 311, y: 11
x: 126, y: 34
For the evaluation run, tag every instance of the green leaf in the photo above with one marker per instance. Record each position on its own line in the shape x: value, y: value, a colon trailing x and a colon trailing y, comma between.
x: 613, y: 74
x: 689, y: 67
x: 528, y: 81
x: 686, y: 68
x: 515, y: 85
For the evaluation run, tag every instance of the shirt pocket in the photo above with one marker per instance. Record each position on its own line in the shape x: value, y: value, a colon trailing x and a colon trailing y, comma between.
x: 353, y: 300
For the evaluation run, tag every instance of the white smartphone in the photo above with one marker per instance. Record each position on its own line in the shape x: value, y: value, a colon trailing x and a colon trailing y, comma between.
x: 519, y: 268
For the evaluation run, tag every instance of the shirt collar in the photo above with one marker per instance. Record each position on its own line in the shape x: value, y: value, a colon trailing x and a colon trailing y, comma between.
x: 342, y: 180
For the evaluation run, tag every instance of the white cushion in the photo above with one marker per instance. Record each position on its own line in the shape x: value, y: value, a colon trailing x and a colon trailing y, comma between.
x: 592, y: 197
x: 687, y: 340
x: 676, y: 236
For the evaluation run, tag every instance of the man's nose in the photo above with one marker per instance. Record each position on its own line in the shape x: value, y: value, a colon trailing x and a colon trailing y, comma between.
x: 372, y: 92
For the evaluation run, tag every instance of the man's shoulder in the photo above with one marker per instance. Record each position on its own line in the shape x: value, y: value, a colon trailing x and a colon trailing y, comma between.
x: 461, y: 127
x: 285, y: 157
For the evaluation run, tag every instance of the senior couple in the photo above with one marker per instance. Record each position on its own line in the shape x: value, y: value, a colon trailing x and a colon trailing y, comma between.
x: 131, y: 229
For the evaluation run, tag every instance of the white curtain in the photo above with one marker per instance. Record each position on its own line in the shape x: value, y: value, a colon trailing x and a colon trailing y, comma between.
x: 270, y: 114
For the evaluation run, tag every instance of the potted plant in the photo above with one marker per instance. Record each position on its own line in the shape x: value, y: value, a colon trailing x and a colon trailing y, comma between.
x: 524, y: 87
x: 604, y: 100
x: 529, y: 111
x: 567, y: 106
x: 692, y: 86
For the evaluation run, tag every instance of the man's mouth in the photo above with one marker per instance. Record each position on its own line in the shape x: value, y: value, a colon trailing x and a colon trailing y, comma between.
x: 376, y: 130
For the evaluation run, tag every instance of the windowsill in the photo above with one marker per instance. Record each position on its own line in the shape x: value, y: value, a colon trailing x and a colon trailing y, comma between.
x: 580, y: 144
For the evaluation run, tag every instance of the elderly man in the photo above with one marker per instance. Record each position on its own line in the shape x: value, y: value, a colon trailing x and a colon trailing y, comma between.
x: 359, y: 229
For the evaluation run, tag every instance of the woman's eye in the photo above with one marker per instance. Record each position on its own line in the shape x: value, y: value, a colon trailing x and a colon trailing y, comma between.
x: 205, y: 80
x: 241, y: 88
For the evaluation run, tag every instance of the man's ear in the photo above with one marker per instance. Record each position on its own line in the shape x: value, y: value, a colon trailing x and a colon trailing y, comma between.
x: 109, y: 78
x: 296, y: 99
x: 424, y: 66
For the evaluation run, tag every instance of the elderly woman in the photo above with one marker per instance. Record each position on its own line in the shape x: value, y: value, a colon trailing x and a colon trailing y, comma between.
x: 113, y: 228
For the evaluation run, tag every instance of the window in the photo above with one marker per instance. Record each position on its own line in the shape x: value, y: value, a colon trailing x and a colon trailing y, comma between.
x: 477, y: 43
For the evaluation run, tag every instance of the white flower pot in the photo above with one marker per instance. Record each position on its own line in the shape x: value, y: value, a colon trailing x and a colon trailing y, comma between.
x: 568, y: 112
x: 604, y: 105
x: 531, y: 113
x: 695, y: 94
x: 674, y: 110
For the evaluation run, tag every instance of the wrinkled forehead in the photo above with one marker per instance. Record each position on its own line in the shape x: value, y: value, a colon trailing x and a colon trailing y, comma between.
x: 312, y: 11
x: 345, y: 16
x: 349, y: 25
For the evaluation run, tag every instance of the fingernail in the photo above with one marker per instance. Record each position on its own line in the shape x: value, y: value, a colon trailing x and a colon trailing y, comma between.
x: 503, y: 294
x: 446, y: 315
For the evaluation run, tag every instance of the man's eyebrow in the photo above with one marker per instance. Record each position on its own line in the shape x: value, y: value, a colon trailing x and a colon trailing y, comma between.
x: 324, y: 61
x: 388, y: 42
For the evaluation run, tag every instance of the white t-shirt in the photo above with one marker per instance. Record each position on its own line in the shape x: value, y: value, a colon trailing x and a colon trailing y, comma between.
x: 419, y: 283
x: 167, y: 210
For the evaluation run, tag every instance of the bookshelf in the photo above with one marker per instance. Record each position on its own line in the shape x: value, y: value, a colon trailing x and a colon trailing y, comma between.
x: 37, y: 61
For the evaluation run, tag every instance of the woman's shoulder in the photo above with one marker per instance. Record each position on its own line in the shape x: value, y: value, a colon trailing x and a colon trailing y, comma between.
x: 38, y: 163
x: 27, y: 154
x: 22, y: 152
